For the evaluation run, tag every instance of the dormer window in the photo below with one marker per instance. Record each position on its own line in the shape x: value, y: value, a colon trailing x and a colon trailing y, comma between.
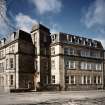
x: 90, y: 44
x: 80, y: 40
x: 53, y: 37
x: 84, y: 42
x: 76, y: 40
x: 95, y: 44
x: 69, y: 38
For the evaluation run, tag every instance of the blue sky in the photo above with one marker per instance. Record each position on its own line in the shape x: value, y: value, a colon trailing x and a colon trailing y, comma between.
x: 79, y: 17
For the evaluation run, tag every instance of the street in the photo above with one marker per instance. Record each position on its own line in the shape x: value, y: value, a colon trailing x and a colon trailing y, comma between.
x: 54, y: 98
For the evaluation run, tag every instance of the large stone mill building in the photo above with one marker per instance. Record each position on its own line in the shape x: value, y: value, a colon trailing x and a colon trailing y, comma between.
x: 43, y: 61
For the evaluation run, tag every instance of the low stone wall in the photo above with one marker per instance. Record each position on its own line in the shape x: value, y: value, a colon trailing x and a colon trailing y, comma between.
x: 82, y: 87
x: 20, y: 90
x: 52, y: 87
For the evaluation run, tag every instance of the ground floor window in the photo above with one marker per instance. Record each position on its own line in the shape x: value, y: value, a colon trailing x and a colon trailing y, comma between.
x: 86, y: 79
x: 72, y: 79
x: 11, y: 80
x: 53, y: 79
x: 46, y: 80
x: 1, y: 81
x: 99, y: 79
x: 95, y: 80
x: 67, y: 79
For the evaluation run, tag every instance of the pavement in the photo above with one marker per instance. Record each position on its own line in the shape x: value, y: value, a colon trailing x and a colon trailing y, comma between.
x: 95, y: 97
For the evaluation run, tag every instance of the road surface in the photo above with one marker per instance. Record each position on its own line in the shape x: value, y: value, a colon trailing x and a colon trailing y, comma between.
x: 54, y: 98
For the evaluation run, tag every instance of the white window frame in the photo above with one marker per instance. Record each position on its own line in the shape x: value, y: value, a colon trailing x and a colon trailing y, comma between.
x: 72, y: 64
x: 74, y: 79
x: 52, y: 50
x: 11, y: 62
x: 53, y: 79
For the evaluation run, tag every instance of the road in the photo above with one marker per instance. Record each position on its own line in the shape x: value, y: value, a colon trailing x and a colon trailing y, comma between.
x: 54, y: 98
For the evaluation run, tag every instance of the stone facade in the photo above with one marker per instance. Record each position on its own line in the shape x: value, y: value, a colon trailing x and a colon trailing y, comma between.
x: 77, y: 62
x: 17, y: 62
x: 40, y: 61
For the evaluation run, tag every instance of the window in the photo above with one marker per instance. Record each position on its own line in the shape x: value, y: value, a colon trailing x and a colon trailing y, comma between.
x: 1, y: 67
x: 11, y: 62
x: 95, y: 54
x: 1, y: 53
x: 6, y: 63
x: 95, y: 79
x: 72, y: 64
x: 52, y: 50
x: 88, y: 66
x: 99, y: 79
x: 11, y: 80
x: 1, y: 81
x: 53, y: 64
x: 88, y: 80
x: 98, y: 66
x: 66, y: 51
x: 84, y: 80
x: 67, y: 79
x: 93, y: 66
x: 76, y: 40
x: 46, y: 81
x: 53, y: 37
x: 34, y: 38
x: 53, y: 78
x: 69, y: 38
x: 85, y: 53
x: 13, y: 47
x: 72, y: 79
x: 83, y: 65
x: 71, y: 51
x: 69, y: 64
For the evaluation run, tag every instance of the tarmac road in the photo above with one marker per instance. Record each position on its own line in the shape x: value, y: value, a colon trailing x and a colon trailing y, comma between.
x: 54, y: 98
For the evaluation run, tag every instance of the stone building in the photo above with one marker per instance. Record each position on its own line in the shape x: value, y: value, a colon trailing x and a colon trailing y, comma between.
x: 17, y: 61
x: 76, y: 62
x: 60, y: 61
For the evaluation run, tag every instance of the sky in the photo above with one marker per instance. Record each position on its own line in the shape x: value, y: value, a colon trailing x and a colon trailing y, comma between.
x: 85, y: 18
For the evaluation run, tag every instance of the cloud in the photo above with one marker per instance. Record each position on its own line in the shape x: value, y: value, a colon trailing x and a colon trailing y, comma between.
x: 44, y: 6
x: 94, y: 18
x: 4, y: 21
x: 25, y: 22
x: 95, y: 15
x: 55, y: 27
